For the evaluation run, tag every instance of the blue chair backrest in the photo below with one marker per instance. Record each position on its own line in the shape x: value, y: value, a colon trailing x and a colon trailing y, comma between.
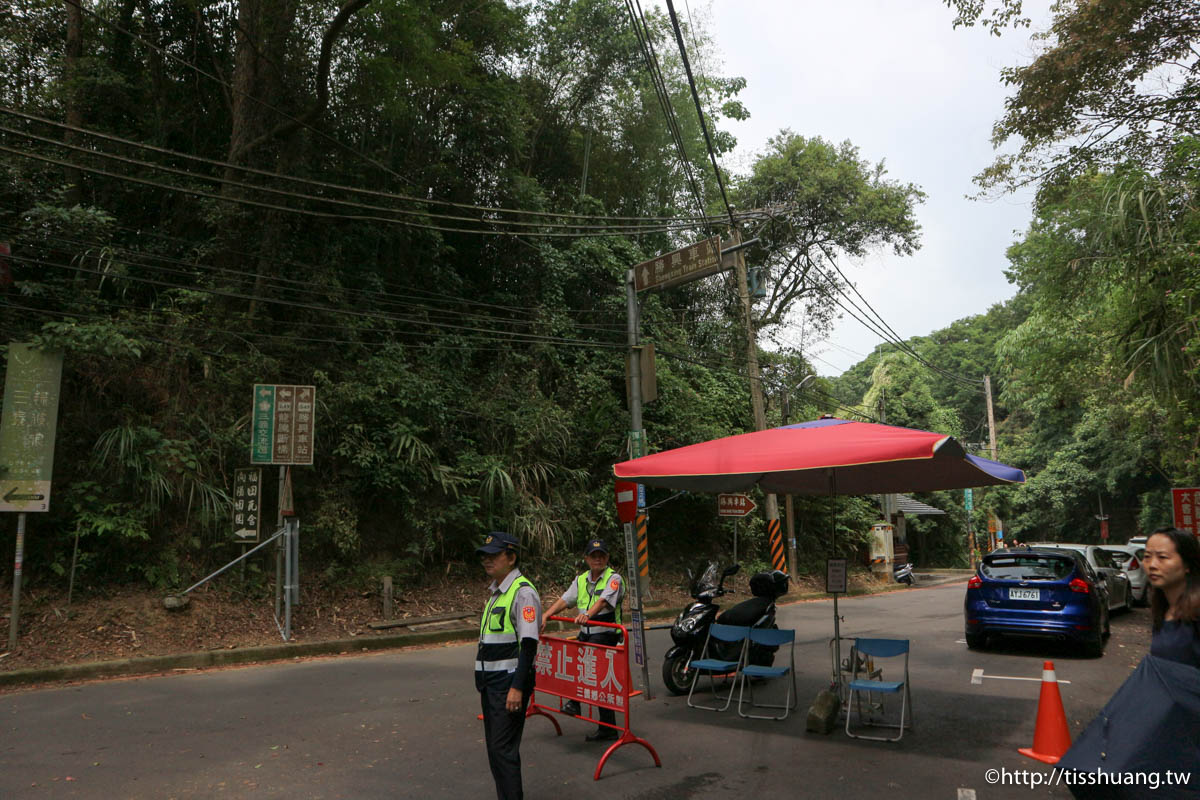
x: 881, y: 648
x: 728, y: 633
x: 771, y: 637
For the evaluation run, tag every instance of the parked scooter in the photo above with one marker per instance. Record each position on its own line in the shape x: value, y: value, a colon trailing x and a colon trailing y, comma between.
x: 691, y: 626
x: 903, y: 573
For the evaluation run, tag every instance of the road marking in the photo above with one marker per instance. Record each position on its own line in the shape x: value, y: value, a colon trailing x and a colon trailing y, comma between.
x: 966, y: 794
x: 977, y: 677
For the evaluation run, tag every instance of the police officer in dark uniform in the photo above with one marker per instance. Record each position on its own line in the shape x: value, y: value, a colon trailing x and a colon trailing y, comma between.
x: 504, y: 662
x: 596, y: 594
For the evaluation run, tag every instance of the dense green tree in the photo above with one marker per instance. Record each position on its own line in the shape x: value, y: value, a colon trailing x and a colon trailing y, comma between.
x: 825, y: 202
x: 1115, y: 81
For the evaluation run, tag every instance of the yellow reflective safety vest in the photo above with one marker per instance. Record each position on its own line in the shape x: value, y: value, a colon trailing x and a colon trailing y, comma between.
x: 498, y: 643
x: 584, y: 600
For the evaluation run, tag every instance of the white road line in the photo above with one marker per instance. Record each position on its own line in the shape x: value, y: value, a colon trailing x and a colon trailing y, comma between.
x: 977, y: 677
x: 966, y: 794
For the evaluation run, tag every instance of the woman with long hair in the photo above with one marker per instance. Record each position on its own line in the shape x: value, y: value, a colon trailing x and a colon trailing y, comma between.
x: 1172, y: 564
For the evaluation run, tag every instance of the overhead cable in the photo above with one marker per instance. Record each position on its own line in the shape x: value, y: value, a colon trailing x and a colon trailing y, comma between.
x: 344, y: 188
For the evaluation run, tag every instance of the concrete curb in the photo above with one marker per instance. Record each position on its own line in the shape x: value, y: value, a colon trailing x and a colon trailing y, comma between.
x: 220, y: 658
x: 284, y: 651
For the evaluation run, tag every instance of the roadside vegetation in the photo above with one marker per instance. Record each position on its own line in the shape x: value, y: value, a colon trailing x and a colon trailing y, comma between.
x: 426, y: 208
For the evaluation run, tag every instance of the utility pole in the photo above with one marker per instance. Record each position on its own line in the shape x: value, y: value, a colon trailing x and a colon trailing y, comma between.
x: 885, y: 500
x: 987, y: 390
x: 756, y: 398
x: 637, y: 446
x: 991, y: 419
x: 788, y: 513
x: 1103, y: 520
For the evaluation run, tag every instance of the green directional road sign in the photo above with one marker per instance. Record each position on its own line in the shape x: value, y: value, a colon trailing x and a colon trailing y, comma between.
x: 282, y: 424
x: 27, y: 428
x: 263, y: 424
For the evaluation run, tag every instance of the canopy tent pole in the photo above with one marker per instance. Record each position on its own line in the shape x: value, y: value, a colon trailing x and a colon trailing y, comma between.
x: 837, y: 620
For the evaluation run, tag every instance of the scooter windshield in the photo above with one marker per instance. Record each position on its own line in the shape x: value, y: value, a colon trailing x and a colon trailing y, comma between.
x: 709, y: 580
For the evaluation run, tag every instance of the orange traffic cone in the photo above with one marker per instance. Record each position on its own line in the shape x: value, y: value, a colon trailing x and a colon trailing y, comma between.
x: 1052, y: 736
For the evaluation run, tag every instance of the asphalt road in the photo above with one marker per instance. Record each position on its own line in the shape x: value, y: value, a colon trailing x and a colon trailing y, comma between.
x: 403, y: 724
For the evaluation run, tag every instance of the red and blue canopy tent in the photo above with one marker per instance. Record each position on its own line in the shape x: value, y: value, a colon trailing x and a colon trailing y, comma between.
x: 827, y: 456
x: 822, y: 457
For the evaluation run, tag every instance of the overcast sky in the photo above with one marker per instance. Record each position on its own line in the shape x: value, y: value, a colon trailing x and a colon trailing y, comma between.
x: 895, y: 79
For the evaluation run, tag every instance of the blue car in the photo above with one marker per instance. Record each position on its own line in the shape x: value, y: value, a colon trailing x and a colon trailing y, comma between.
x: 1045, y: 593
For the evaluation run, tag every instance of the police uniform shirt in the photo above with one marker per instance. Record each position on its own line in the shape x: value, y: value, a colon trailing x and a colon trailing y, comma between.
x: 610, y: 593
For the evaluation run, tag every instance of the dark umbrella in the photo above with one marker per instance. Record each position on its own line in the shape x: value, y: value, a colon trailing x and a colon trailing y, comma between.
x: 1146, y: 741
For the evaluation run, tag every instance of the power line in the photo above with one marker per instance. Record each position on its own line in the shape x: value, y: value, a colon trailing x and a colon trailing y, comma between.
x: 895, y: 336
x: 320, y: 214
x: 245, y: 334
x: 591, y: 230
x: 510, y: 336
x: 646, y: 43
x: 880, y: 329
x: 687, y: 66
x: 285, y: 262
x: 658, y: 220
x: 147, y: 260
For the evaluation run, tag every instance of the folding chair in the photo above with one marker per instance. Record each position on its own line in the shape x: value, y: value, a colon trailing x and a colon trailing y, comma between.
x: 769, y: 637
x: 731, y: 635
x: 879, y: 648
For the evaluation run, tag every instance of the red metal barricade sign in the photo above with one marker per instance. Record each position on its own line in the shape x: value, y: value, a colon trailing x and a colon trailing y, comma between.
x: 590, y: 673
x: 1186, y: 504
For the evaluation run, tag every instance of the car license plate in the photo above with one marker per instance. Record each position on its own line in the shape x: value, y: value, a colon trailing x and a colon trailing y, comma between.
x: 1024, y: 594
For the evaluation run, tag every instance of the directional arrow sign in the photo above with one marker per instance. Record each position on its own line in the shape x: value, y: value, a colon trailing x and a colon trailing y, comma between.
x: 16, y: 496
x: 734, y: 505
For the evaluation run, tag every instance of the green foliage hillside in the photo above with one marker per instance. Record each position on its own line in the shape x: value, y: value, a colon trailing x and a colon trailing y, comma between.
x: 425, y: 209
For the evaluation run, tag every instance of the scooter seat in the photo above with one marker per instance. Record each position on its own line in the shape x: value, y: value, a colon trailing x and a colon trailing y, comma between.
x: 746, y: 612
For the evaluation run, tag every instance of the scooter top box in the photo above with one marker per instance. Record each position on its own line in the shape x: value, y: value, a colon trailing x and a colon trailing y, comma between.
x: 769, y: 583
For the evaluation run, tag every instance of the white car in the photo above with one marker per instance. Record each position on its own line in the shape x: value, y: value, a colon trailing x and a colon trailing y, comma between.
x: 1114, y: 578
x: 1129, y: 558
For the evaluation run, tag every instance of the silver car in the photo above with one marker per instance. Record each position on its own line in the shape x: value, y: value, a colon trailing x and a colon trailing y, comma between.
x: 1120, y: 595
x: 1129, y: 558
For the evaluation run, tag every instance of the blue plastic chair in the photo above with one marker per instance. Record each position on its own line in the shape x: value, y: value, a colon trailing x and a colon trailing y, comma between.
x: 731, y: 635
x: 769, y: 637
x: 878, y: 648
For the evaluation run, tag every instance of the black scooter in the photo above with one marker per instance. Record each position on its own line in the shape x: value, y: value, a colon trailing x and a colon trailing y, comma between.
x: 691, y: 626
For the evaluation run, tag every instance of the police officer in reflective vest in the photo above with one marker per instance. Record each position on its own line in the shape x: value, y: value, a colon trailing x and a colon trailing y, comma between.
x: 508, y: 639
x: 596, y: 594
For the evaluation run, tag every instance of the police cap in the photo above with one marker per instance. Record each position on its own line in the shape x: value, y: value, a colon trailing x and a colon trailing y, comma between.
x: 497, y: 542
